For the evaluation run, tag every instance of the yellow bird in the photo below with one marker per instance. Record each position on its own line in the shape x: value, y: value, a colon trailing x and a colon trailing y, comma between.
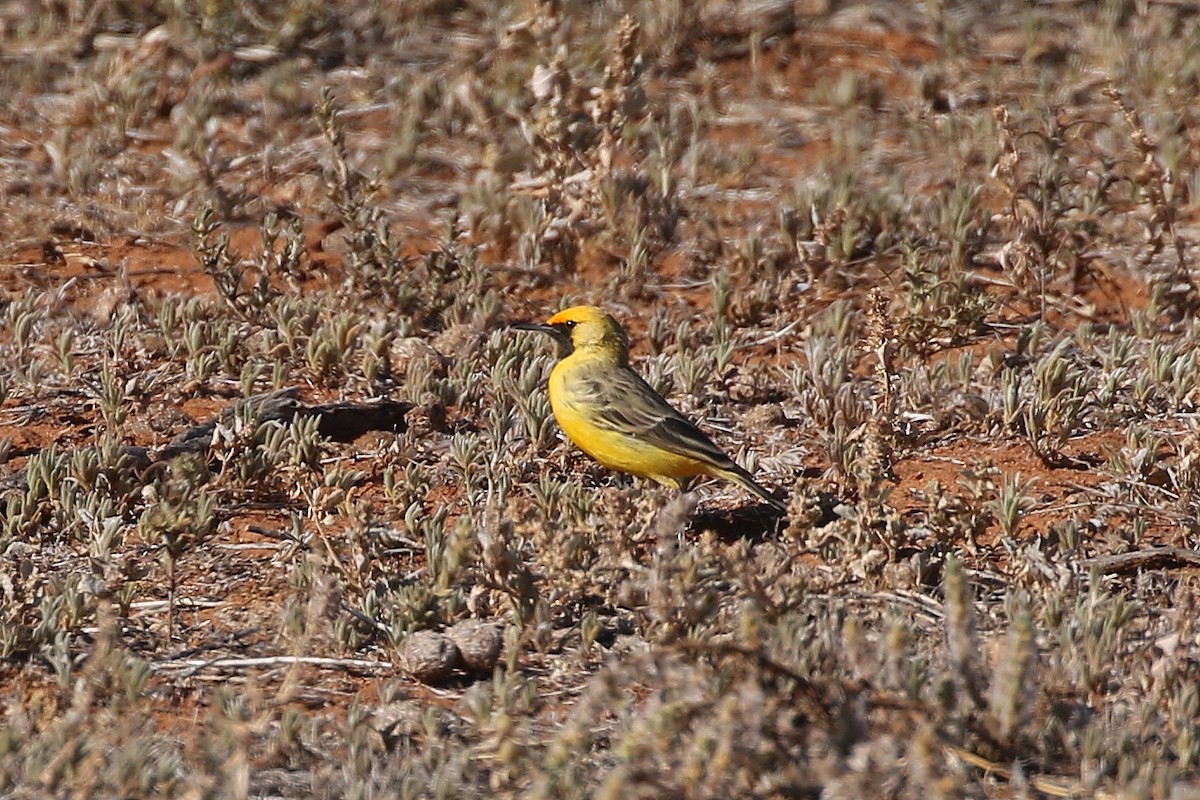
x: 614, y: 416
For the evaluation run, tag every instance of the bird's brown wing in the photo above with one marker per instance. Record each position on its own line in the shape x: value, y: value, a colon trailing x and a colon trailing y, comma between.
x: 620, y: 401
x: 626, y: 404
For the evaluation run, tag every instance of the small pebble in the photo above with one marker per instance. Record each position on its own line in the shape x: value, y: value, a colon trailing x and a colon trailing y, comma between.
x: 430, y: 656
x: 479, y: 643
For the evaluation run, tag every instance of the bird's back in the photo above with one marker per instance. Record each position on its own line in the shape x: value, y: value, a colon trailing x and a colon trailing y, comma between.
x: 614, y: 416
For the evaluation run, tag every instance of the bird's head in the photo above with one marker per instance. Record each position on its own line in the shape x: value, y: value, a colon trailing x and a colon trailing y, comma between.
x: 584, y: 329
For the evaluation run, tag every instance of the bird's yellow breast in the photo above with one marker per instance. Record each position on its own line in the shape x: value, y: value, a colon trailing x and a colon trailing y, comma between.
x: 577, y: 412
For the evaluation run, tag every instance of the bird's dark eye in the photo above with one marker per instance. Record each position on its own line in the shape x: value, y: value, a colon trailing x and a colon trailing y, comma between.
x: 570, y: 324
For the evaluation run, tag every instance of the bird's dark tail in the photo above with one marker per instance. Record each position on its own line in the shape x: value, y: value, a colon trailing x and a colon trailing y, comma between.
x: 744, y: 479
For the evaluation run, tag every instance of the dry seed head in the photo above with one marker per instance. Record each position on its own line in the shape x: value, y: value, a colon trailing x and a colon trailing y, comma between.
x: 876, y: 312
x: 1151, y: 171
x: 1189, y: 459
x: 880, y: 341
x: 1141, y: 139
x: 824, y: 230
x: 1006, y: 164
x: 875, y: 460
x: 816, y: 258
x: 961, y: 638
x: 627, y: 32
x: 875, y: 456
x: 1013, y: 684
x: 1157, y: 187
x: 550, y: 130
x: 546, y: 18
x: 620, y: 73
x: 608, y: 111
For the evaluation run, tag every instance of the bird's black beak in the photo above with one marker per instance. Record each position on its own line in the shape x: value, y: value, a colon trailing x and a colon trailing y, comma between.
x: 560, y: 335
x: 533, y: 326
